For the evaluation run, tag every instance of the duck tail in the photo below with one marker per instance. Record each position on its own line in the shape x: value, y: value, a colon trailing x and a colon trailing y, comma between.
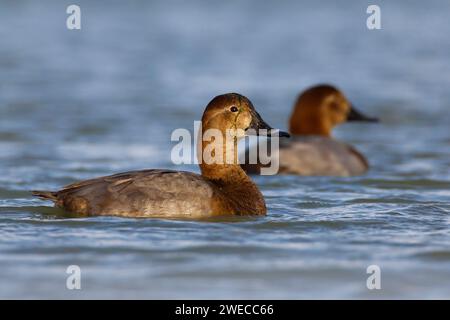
x: 47, y: 195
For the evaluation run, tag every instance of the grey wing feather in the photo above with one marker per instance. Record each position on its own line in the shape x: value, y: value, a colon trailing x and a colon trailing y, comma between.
x: 321, y: 156
x: 313, y: 156
x: 142, y: 193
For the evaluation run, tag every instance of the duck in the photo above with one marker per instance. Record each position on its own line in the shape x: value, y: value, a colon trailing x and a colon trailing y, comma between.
x: 221, y: 189
x: 312, y: 150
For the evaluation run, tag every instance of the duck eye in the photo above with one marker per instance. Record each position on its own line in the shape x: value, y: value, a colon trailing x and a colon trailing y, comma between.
x: 234, y: 109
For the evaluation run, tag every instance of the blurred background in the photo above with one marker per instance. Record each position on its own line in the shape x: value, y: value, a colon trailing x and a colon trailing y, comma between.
x: 76, y: 104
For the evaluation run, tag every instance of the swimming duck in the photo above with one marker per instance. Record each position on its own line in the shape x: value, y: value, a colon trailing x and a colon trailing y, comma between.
x: 312, y: 151
x: 221, y: 189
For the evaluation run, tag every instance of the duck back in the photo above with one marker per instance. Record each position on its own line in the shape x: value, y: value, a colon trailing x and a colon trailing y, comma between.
x: 315, y: 156
x: 320, y: 156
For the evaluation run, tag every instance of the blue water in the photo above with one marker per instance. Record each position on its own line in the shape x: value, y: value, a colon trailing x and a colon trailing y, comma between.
x: 105, y: 99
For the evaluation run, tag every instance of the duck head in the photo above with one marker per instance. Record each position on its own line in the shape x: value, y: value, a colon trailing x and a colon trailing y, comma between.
x: 320, y: 108
x: 233, y: 111
x: 227, y: 119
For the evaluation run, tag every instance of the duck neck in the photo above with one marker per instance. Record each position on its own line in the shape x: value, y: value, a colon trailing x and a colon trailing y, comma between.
x: 229, y: 177
x: 228, y: 173
x: 238, y: 189
x: 219, y: 163
x: 219, y: 160
x: 310, y: 127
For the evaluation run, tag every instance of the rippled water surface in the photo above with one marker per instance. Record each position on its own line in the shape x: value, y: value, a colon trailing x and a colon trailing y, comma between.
x: 105, y: 99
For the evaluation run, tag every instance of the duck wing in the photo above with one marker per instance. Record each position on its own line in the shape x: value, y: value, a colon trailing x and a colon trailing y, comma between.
x: 312, y: 156
x: 164, y: 193
x: 321, y: 156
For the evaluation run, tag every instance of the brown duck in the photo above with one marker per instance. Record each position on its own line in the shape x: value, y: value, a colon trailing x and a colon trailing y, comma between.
x: 312, y: 151
x: 221, y: 189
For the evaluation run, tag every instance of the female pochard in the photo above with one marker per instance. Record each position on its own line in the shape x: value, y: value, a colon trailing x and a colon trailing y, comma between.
x: 312, y: 151
x: 221, y: 189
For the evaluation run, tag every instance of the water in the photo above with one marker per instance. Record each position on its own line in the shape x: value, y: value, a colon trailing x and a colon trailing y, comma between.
x: 80, y: 104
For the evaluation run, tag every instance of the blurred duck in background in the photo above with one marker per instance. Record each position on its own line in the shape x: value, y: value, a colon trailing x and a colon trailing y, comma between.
x: 312, y: 151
